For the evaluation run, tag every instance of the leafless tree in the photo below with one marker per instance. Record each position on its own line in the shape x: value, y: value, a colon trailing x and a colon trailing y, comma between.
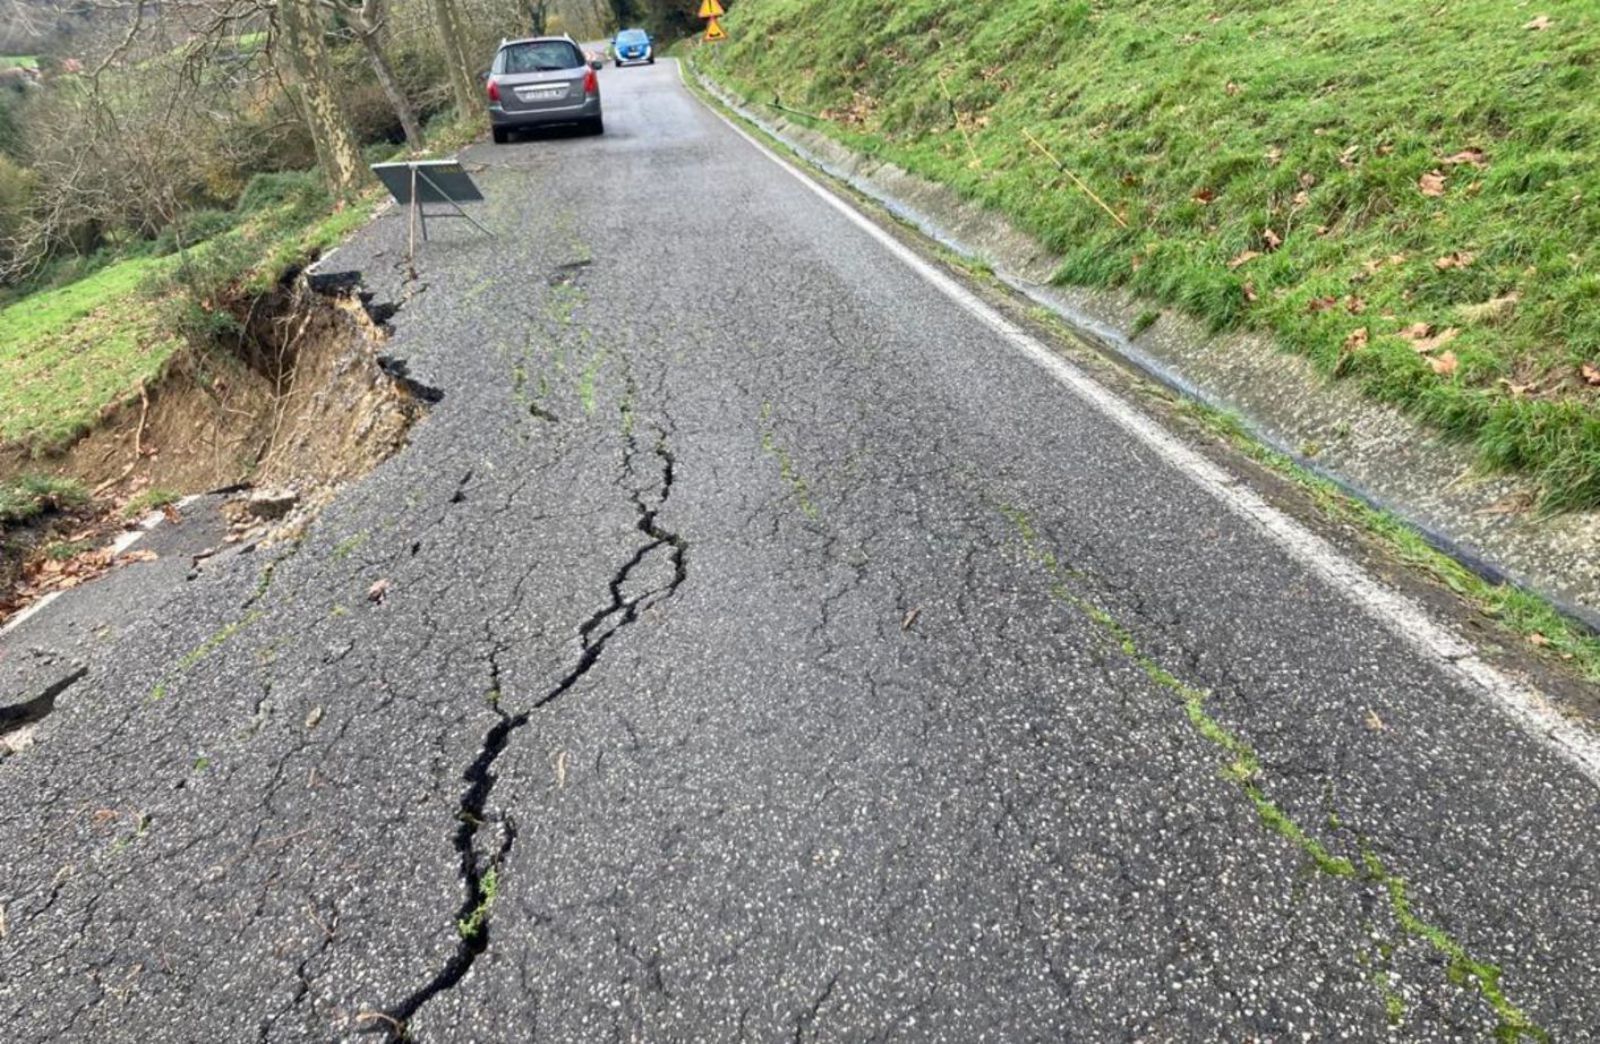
x: 367, y: 18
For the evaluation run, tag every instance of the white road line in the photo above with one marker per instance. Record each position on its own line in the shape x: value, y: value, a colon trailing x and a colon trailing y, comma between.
x: 1406, y: 619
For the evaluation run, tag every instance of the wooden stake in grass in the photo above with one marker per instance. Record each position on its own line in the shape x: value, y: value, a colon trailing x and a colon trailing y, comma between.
x: 962, y: 127
x: 1036, y: 143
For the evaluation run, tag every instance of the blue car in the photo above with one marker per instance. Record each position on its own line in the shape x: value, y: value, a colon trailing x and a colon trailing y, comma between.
x: 632, y: 45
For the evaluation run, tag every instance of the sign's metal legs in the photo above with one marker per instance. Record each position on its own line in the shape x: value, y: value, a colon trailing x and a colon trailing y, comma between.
x: 411, y: 247
x: 452, y: 202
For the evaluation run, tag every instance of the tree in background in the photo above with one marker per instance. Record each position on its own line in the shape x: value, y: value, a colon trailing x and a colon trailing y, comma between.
x: 145, y: 113
x: 367, y: 25
x: 451, y: 43
x: 339, y: 155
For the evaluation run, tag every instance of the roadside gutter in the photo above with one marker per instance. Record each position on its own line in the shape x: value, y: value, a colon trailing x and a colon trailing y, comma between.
x: 1373, y: 452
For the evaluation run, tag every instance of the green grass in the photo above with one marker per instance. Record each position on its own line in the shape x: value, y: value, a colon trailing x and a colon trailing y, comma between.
x: 1206, y: 124
x: 67, y: 354
x: 18, y: 61
x: 30, y: 496
x: 70, y: 353
x: 148, y: 501
x: 67, y: 549
x: 469, y: 926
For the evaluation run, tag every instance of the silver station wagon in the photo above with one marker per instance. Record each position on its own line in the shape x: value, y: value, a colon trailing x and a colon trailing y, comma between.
x: 541, y: 82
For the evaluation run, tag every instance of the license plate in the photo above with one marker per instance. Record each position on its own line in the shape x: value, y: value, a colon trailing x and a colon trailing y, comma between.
x: 541, y: 93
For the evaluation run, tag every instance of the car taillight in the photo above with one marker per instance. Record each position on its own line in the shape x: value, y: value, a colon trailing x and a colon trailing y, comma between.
x: 591, y: 83
x: 494, y: 91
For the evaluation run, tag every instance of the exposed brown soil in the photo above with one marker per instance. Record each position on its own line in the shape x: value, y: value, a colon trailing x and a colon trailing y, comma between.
x: 298, y: 399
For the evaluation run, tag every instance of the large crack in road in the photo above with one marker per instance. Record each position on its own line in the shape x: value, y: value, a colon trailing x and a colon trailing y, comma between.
x: 480, y: 863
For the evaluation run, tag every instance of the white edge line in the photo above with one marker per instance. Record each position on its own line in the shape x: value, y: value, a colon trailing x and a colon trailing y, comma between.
x: 1402, y: 616
x: 118, y: 546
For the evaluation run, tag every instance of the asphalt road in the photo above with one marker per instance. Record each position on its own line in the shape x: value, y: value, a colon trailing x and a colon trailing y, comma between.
x: 770, y: 652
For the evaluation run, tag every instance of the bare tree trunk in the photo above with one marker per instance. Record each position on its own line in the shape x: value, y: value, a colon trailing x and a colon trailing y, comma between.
x: 397, y: 99
x: 455, y: 58
x: 337, y: 150
x: 370, y: 21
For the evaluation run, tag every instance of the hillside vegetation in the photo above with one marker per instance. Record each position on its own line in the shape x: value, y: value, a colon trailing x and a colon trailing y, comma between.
x: 1408, y: 194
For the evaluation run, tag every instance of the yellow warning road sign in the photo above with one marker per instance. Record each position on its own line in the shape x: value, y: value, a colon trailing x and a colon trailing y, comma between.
x: 714, y: 31
x: 710, y: 9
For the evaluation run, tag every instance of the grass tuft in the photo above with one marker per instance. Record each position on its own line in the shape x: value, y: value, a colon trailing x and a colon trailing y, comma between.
x: 30, y: 496
x: 148, y: 501
x: 470, y: 926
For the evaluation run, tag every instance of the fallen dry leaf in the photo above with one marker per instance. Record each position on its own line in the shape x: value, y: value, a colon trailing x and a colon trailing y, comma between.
x: 910, y: 618
x: 1357, y: 340
x: 1431, y: 183
x: 1374, y: 722
x: 1274, y: 155
x: 1445, y: 363
x: 1232, y: 88
x: 1539, y: 23
x: 1247, y: 256
x: 1204, y: 197
x: 1370, y: 268
x: 1320, y: 304
x: 1591, y: 373
x: 1302, y: 199
x: 170, y: 513
x: 1513, y: 504
x: 313, y: 717
x: 1250, y: 292
x: 1518, y: 390
x: 1355, y: 305
x: 1467, y: 158
x: 1455, y: 259
x: 1424, y: 340
x: 1347, y: 158
x: 1538, y: 639
x: 378, y: 589
x: 139, y: 555
x: 1272, y: 240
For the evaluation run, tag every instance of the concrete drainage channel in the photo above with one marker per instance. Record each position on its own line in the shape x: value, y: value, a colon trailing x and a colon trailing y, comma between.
x: 1375, y: 453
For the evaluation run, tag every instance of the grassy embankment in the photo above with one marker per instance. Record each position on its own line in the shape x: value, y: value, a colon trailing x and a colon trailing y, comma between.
x: 1407, y: 194
x: 69, y: 353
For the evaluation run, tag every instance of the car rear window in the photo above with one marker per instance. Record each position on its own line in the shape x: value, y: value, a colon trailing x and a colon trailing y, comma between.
x: 632, y: 36
x: 539, y: 56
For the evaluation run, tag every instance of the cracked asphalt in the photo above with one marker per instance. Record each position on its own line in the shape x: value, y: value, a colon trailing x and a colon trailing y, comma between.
x: 769, y: 653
